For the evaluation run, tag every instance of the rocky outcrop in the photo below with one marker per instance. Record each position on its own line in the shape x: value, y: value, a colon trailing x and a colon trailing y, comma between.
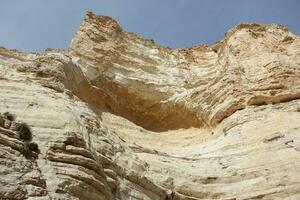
x: 118, y: 117
x: 161, y: 89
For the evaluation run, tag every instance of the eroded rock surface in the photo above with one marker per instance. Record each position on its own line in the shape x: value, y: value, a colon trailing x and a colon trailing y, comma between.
x: 118, y: 117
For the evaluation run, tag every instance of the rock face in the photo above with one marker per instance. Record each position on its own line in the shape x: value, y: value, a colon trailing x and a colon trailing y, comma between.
x: 118, y: 117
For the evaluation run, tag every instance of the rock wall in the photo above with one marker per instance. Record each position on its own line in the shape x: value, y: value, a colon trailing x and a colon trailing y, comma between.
x: 118, y: 117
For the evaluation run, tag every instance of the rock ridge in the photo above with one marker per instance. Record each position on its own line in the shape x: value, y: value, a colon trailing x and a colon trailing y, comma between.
x: 156, y: 91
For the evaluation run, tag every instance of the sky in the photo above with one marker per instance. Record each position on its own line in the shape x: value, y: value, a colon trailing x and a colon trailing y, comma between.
x: 34, y: 25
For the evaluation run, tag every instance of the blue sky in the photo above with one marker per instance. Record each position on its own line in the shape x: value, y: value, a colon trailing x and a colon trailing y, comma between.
x: 33, y: 25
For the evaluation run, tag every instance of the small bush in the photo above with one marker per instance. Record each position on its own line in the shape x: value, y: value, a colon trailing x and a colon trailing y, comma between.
x: 24, y: 132
x: 9, y: 116
x: 34, y: 147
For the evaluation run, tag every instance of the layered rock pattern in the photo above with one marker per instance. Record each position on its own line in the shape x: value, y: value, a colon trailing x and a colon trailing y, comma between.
x: 169, y: 89
x: 118, y: 117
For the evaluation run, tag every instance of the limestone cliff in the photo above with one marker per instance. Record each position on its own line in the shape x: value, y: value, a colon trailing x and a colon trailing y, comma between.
x: 118, y: 117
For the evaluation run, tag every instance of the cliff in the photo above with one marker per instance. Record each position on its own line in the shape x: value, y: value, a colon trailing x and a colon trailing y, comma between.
x: 119, y: 117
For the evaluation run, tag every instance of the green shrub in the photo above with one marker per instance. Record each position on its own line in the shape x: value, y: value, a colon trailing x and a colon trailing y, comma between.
x: 24, y: 132
x: 9, y: 116
x: 34, y: 147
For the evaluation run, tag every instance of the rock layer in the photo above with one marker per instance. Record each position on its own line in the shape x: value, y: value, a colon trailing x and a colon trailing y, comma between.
x: 162, y: 89
x: 118, y: 117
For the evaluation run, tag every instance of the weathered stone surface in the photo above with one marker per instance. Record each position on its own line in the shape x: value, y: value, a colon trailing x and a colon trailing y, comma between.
x: 119, y: 117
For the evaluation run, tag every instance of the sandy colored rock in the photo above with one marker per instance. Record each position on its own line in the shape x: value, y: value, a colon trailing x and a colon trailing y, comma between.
x: 118, y: 117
